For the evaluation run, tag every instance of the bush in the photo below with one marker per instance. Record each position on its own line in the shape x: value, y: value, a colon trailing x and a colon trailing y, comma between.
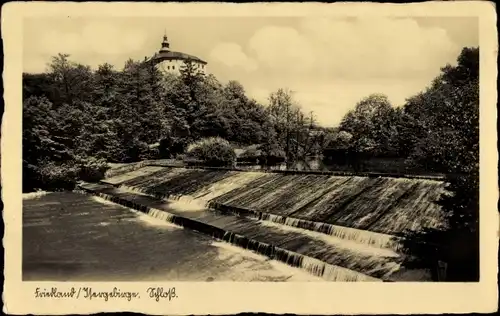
x: 56, y: 177
x: 52, y: 176
x: 180, y: 156
x: 272, y: 155
x: 150, y: 153
x: 213, y: 151
x: 170, y: 147
x: 92, y: 170
x: 250, y: 155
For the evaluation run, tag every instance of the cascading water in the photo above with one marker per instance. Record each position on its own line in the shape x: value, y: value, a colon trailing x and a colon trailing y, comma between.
x: 381, y: 205
x: 357, y: 235
x: 311, y: 265
x: 361, y: 236
x: 366, y: 210
x: 119, y: 177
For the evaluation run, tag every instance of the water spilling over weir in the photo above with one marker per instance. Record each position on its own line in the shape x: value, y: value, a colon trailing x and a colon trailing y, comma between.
x: 360, y: 214
x: 383, y: 205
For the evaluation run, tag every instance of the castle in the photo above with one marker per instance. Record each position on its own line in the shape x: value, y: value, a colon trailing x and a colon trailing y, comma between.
x: 168, y: 61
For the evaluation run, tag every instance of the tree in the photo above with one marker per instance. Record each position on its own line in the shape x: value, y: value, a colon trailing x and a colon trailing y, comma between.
x: 40, y: 123
x: 446, y: 118
x: 38, y: 85
x: 244, y: 116
x: 447, y: 114
x: 76, y: 117
x: 370, y: 124
x: 295, y: 135
x: 281, y: 110
x: 72, y: 81
x: 50, y: 142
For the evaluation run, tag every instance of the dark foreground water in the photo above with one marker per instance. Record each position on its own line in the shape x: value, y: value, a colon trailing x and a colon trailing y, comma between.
x: 73, y: 237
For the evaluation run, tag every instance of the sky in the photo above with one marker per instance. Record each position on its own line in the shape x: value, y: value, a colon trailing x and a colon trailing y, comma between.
x: 329, y: 63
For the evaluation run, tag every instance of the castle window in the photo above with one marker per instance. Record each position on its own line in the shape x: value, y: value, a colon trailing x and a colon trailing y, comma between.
x: 173, y: 67
x: 168, y: 67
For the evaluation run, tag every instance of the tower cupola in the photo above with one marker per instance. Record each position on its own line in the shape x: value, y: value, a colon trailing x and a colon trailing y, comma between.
x: 165, y: 45
x: 169, y: 61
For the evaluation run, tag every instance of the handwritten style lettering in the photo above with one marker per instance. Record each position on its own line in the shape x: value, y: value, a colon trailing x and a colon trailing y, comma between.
x: 54, y: 293
x: 161, y: 293
x: 156, y: 293
x: 88, y: 293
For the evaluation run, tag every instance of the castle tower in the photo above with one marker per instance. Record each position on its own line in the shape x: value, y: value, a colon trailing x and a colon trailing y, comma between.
x: 169, y: 61
x: 165, y: 45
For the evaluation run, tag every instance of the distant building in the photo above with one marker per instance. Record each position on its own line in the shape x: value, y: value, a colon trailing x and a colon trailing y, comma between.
x: 168, y: 61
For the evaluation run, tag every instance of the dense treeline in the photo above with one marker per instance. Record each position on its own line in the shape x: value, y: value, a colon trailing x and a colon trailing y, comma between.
x: 113, y: 115
x: 76, y: 119
x: 436, y: 130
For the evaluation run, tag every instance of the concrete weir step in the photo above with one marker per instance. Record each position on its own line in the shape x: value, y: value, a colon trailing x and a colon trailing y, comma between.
x: 356, y: 235
x: 329, y: 257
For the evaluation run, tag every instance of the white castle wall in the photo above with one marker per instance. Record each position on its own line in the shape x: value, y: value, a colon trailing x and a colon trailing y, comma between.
x: 174, y: 66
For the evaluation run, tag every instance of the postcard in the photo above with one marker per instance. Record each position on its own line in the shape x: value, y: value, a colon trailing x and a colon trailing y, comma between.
x: 217, y: 158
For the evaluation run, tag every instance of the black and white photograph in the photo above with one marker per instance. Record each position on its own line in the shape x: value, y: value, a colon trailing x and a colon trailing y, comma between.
x: 266, y: 149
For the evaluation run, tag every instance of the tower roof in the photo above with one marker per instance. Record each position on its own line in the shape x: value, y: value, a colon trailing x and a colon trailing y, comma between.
x: 166, y: 54
x: 171, y: 55
x: 165, y: 45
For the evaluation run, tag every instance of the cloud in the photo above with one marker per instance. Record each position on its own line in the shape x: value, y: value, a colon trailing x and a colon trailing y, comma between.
x: 232, y: 55
x: 109, y: 39
x: 334, y: 63
x: 383, y: 47
x: 282, y: 48
x: 57, y: 41
x: 260, y: 94
x: 92, y: 43
x: 92, y: 38
x: 36, y: 64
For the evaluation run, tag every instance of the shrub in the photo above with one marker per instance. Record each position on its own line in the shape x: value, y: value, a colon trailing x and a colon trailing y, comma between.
x: 272, y: 154
x: 150, y: 153
x: 57, y: 177
x: 170, y: 147
x: 251, y: 154
x: 213, y: 151
x: 52, y: 176
x: 340, y: 140
x: 92, y: 169
x: 135, y: 151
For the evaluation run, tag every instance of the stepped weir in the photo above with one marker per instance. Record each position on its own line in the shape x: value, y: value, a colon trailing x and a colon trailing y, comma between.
x: 338, y: 227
